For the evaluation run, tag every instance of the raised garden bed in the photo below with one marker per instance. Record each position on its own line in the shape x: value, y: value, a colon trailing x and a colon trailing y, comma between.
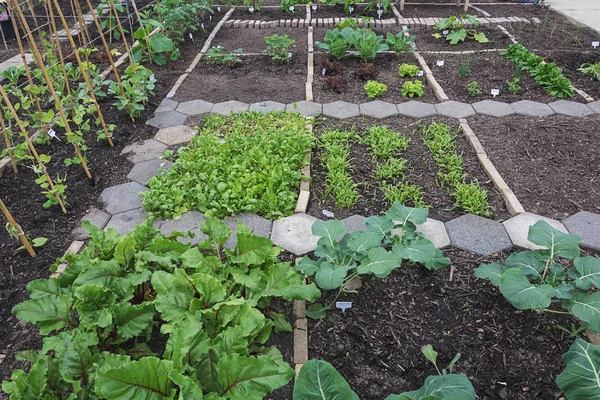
x: 570, y: 62
x: 545, y: 161
x: 435, y: 11
x: 426, y: 42
x: 268, y: 13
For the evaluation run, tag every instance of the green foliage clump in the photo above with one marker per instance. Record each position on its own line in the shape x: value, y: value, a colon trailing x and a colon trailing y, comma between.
x: 412, y: 89
x: 400, y: 43
x: 217, y: 56
x: 375, y: 89
x: 408, y: 70
x: 473, y: 88
x: 457, y: 31
x: 335, y: 158
x: 592, y: 69
x: 278, y: 48
x: 513, y: 86
x: 244, y: 162
x: 383, y: 142
x: 138, y: 84
x: 365, y: 42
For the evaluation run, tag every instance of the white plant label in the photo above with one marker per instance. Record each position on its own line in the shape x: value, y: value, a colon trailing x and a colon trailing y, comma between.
x: 495, y: 92
x: 328, y: 213
x: 202, y: 25
x: 152, y: 76
x: 210, y: 18
x: 289, y: 55
x: 379, y: 12
x: 219, y: 9
x: 292, y: 9
x: 595, y: 44
x: 440, y: 63
x: 350, y: 9
x: 378, y: 5
x: 420, y: 73
x: 343, y: 305
x: 251, y: 9
x: 314, y: 7
x: 324, y: 71
x: 52, y: 134
x: 191, y: 36
x: 446, y: 32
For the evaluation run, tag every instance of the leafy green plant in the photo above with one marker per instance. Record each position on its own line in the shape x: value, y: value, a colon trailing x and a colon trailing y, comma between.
x: 125, y: 300
x: 400, y: 43
x: 375, y: 89
x: 513, y: 86
x: 412, y: 89
x: 405, y: 193
x: 463, y: 68
x: 593, y: 69
x: 578, y: 380
x: 278, y: 48
x: 367, y: 44
x: 336, y: 42
x: 179, y: 17
x: 456, y: 27
x: 253, y: 5
x: 473, y: 88
x: 366, y: 71
x: 59, y: 186
x: 391, y: 168
x: 289, y: 6
x: 245, y: 162
x: 157, y: 48
x: 217, y: 56
x: 337, y: 83
x: 138, y: 83
x: 347, y: 23
x: 16, y: 232
x: 335, y: 156
x: 408, y: 70
x: 383, y: 142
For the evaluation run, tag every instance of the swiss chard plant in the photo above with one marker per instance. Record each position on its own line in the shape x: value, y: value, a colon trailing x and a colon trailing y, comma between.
x: 456, y: 27
x: 146, y: 316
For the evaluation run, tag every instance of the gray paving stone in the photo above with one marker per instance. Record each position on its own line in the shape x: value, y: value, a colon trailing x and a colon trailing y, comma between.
x: 126, y: 221
x: 267, y: 106
x: 96, y: 217
x: 166, y: 119
x: 455, y: 109
x: 416, y: 109
x: 142, y: 172
x: 294, y: 234
x: 517, y: 228
x: 478, y: 235
x: 354, y: 223
x: 570, y: 108
x: 229, y: 106
x: 259, y: 225
x: 188, y: 222
x: 194, y: 107
x: 173, y: 135
x: 341, y: 110
x: 166, y: 105
x: 595, y: 106
x: 305, y: 108
x: 587, y: 226
x: 121, y: 198
x: 433, y: 230
x: 378, y: 109
x: 493, y: 108
x: 532, y: 108
x: 144, y: 151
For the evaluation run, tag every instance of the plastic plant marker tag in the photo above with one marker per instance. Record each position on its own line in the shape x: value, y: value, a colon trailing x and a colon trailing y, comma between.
x: 343, y: 305
x: 52, y: 134
x: 292, y: 8
x: 595, y: 44
x: 314, y: 7
x: 446, y: 32
x: 152, y: 76
x: 251, y: 9
x: 378, y: 5
x: 219, y: 9
x: 495, y: 92
x: 440, y: 63
x: 289, y: 55
x: 191, y: 36
x: 328, y: 214
x: 379, y: 12
x: 350, y: 9
x: 324, y: 71
x: 420, y: 73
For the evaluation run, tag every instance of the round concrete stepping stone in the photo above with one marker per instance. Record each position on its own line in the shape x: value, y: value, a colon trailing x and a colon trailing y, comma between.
x: 125, y: 222
x: 188, y: 222
x: 341, y: 110
x: 587, y: 226
x: 227, y: 107
x: 305, y: 108
x: 532, y: 108
x: 517, y: 228
x: 478, y: 235
x: 455, y: 109
x: 144, y: 171
x: 96, y: 217
x: 267, y: 106
x: 294, y: 234
x: 260, y: 226
x: 166, y: 119
x: 570, y: 108
x: 493, y: 108
x: 378, y: 109
x: 120, y: 198
x: 174, y: 135
x: 146, y: 150
x: 416, y: 109
x: 194, y: 107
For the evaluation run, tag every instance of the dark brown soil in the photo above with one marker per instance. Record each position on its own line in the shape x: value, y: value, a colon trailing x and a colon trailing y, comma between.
x: 253, y: 40
x: 492, y: 71
x: 337, y: 11
x: 570, y: 62
x: 516, y: 10
x: 436, y: 11
x: 387, y: 66
x: 421, y: 172
x: 268, y: 14
x: 376, y: 345
x: 548, y: 162
x: 425, y: 40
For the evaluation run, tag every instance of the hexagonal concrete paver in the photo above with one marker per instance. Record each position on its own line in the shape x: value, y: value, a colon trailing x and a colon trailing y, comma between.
x: 595, y: 106
x: 120, y: 198
x: 532, y: 108
x: 96, y: 217
x: 305, y: 108
x: 517, y: 228
x: 570, y: 108
x: 194, y: 107
x: 166, y: 105
x: 228, y: 107
x: 433, y: 230
x: 188, y: 222
x: 493, y: 108
x: 478, y: 235
x: 142, y: 172
x: 166, y: 119
x: 267, y: 106
x: 416, y: 109
x: 259, y: 225
x: 143, y: 151
x: 341, y: 110
x: 126, y: 221
x: 378, y: 109
x: 294, y: 234
x: 354, y: 223
x: 173, y: 135
x: 587, y: 226
x: 455, y: 109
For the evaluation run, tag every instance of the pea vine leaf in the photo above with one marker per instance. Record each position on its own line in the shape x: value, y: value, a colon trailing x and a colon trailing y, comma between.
x: 580, y: 380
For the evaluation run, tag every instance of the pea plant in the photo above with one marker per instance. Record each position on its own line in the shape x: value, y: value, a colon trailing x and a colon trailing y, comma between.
x: 278, y: 48
x: 138, y: 83
x: 457, y: 31
x: 157, y: 48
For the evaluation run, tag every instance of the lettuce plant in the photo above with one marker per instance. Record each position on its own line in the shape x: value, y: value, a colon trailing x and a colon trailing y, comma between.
x: 375, y: 89
x: 412, y: 89
x: 146, y: 316
x: 408, y: 70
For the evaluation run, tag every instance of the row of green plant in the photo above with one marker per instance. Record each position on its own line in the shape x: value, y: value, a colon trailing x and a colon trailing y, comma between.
x: 245, y: 162
x: 468, y: 195
x: 289, y: 6
x: 548, y: 75
x: 454, y: 29
x: 414, y: 88
x: 277, y: 48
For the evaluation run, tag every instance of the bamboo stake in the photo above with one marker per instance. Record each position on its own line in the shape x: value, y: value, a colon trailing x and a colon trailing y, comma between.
x: 41, y: 65
x: 83, y: 29
x: 14, y: 224
x: 112, y: 5
x: 31, y: 146
x: 137, y: 13
x: 8, y: 144
x: 37, y: 26
x: 60, y: 55
x: 85, y: 74
x: 75, y: 23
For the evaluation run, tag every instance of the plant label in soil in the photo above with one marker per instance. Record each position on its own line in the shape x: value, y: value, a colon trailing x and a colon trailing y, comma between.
x: 595, y: 44
x: 251, y: 9
x: 378, y: 5
x: 152, y: 76
x: 343, y: 305
x: 219, y: 9
x: 202, y: 25
x: 495, y: 92
x: 379, y: 12
x: 420, y: 73
x: 350, y: 9
x: 328, y: 214
x: 191, y: 36
x: 314, y: 7
x: 440, y: 63
x: 52, y: 134
x: 324, y: 71
x: 289, y: 55
x: 446, y: 32
x: 292, y: 9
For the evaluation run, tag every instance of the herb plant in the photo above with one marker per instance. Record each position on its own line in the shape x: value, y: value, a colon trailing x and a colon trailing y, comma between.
x: 412, y: 89
x: 217, y: 56
x: 400, y: 43
x: 375, y: 89
x: 473, y: 88
x: 457, y: 29
x: 513, y: 86
x: 408, y: 70
x: 278, y: 48
x: 592, y: 69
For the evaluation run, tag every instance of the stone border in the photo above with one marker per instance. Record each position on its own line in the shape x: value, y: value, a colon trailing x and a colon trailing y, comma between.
x: 433, y: 83
x: 310, y: 66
